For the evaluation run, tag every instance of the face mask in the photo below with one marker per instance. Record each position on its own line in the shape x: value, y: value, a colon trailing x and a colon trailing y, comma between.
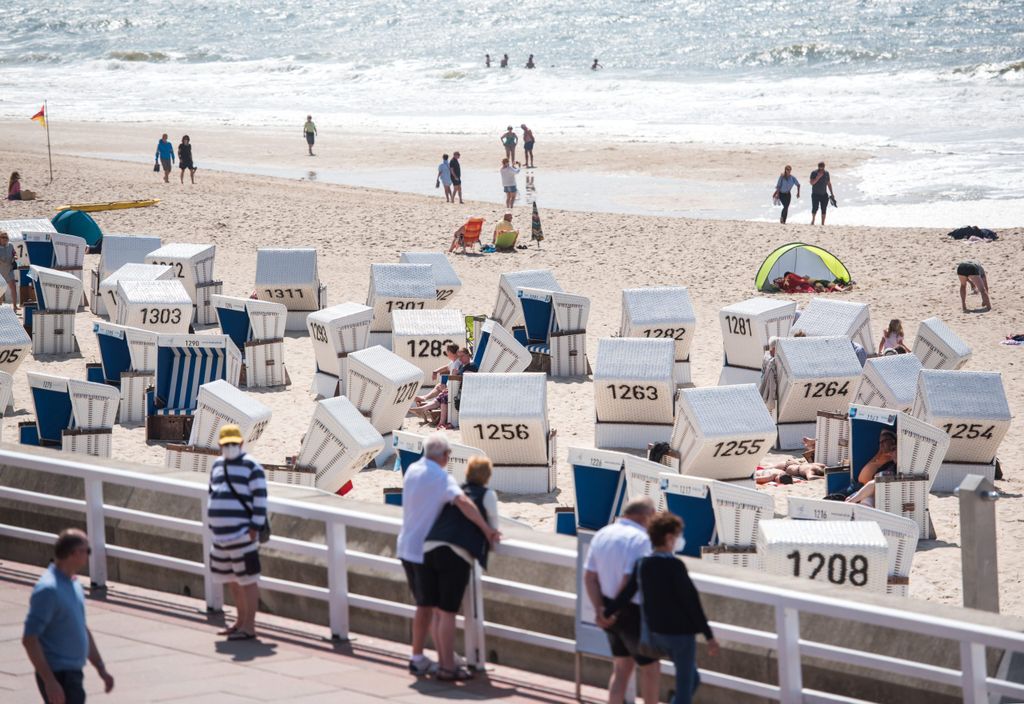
x: 680, y: 544
x: 231, y: 452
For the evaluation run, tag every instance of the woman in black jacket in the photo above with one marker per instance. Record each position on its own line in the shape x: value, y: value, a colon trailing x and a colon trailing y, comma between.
x: 670, y: 604
x: 185, y: 159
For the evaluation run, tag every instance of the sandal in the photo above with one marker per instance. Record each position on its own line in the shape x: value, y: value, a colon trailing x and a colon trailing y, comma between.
x: 228, y: 631
x: 459, y: 674
x: 241, y: 635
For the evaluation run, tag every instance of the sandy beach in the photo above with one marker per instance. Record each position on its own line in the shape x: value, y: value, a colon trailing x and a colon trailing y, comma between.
x: 906, y: 273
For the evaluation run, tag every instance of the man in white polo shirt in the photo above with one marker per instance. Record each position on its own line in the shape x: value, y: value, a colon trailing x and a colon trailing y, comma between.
x: 428, y: 488
x: 614, y: 551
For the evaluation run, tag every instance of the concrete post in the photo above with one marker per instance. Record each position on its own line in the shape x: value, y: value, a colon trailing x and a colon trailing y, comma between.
x: 787, y: 653
x: 337, y: 580
x: 473, y: 612
x: 978, y: 543
x: 95, y: 526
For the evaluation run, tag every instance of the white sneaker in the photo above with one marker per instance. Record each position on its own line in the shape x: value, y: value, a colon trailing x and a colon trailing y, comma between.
x: 421, y: 667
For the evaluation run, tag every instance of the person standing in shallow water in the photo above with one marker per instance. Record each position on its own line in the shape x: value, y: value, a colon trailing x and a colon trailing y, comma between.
x: 529, y: 62
x: 309, y: 131
x: 456, y: 171
x: 784, y: 190
x: 504, y: 61
x: 487, y: 60
x: 444, y: 175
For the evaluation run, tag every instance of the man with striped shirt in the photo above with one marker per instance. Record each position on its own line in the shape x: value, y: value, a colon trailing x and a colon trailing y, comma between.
x: 236, y: 511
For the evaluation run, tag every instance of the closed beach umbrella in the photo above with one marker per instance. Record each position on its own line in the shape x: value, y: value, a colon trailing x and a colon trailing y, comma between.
x: 537, y: 233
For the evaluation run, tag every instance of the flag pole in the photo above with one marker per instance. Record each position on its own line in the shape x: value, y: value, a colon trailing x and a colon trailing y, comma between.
x: 49, y: 154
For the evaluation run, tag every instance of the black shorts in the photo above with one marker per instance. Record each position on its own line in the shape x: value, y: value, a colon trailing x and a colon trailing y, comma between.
x: 440, y: 581
x: 527, y: 146
x: 624, y: 635
x: 819, y: 199
x: 968, y: 269
x: 70, y: 681
x: 310, y: 138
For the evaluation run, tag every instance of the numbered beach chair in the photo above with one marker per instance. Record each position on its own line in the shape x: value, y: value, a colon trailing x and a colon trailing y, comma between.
x: 738, y: 510
x: 555, y: 331
x: 506, y: 416
x: 850, y: 554
x: 117, y: 251
x: 54, y: 250
x: 290, y: 277
x: 662, y: 312
x: 193, y: 266
x: 802, y: 508
x: 257, y: 328
x: 52, y: 318
x: 183, y: 364
x: 421, y: 336
x: 746, y: 328
x: 972, y: 408
x: 160, y: 306
x: 16, y: 230
x: 832, y: 439
x: 938, y: 347
x: 902, y: 536
x: 76, y: 416
x: 827, y: 317
x: 219, y: 404
x: 498, y: 351
x: 815, y: 374
x: 398, y: 287
x: 446, y: 280
x: 889, y: 382
x: 128, y: 363
x: 107, y: 290
x: 15, y: 343
x: 382, y: 386
x: 335, y: 333
x: 599, y: 486
x: 634, y: 392
x: 721, y: 432
x: 339, y: 443
x: 409, y: 449
x: 507, y: 310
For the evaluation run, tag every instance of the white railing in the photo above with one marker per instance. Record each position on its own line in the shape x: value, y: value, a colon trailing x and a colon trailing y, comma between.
x: 789, y: 604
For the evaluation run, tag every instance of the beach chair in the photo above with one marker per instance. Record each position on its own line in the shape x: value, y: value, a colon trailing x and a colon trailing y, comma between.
x: 497, y: 350
x: 505, y: 241
x: 832, y: 439
x: 827, y: 317
x: 815, y: 374
x: 54, y: 250
x: 127, y: 362
x: 720, y: 432
x: 76, y: 416
x: 421, y: 336
x: 555, y: 331
x: 160, y: 306
x: 902, y: 536
x: 16, y: 230
x: 938, y: 347
x: 382, y: 386
x: 802, y: 508
x: 339, y: 443
x: 409, y: 449
x: 746, y: 328
x: 193, y: 266
x: 849, y: 554
x: 471, y: 234
x: 889, y: 382
x: 290, y: 277
x: 507, y: 310
x: 184, y: 363
x: 219, y: 404
x: 117, y: 251
x: 446, y: 280
x: 257, y: 328
x: 398, y: 287
x: 690, y: 498
x: 665, y: 312
x: 15, y: 343
x: 335, y: 333
x: 972, y: 408
x: 599, y: 486
x: 51, y: 318
x: 634, y: 392
x: 506, y: 416
x: 107, y: 289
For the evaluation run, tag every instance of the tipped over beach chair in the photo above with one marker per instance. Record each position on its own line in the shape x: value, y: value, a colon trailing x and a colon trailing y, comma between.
x: 257, y: 328
x: 335, y: 333
x: 889, y: 382
x: 827, y: 317
x: 117, y: 251
x: 497, y: 350
x: 507, y: 311
x: 52, y: 317
x: 746, y: 328
x: 76, y: 416
x: 290, y: 277
x: 382, y: 386
x: 634, y: 392
x: 555, y: 331
x: 398, y: 287
x: 664, y: 312
x: 127, y: 362
x: 446, y: 280
x: 15, y: 343
x: 938, y: 347
x: 193, y: 266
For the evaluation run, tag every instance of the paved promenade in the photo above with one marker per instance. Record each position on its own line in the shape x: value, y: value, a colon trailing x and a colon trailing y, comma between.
x: 162, y: 648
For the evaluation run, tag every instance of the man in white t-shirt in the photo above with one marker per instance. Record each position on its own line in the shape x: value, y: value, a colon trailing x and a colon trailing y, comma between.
x: 428, y: 488
x: 613, y: 553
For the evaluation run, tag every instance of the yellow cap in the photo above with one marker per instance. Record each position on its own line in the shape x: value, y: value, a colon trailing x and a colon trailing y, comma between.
x: 230, y: 435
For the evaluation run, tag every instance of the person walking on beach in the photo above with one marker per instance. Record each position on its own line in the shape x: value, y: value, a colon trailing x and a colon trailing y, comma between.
x: 528, y: 140
x: 487, y: 60
x: 783, y: 191
x: 508, y: 182
x: 9, y: 268
x: 509, y: 140
x: 236, y: 512
x: 456, y: 170
x: 821, y: 189
x: 529, y: 62
x: 427, y: 489
x: 444, y: 175
x: 309, y: 131
x: 165, y: 155
x: 185, y: 159
x: 55, y: 637
x: 973, y: 272
x: 504, y: 61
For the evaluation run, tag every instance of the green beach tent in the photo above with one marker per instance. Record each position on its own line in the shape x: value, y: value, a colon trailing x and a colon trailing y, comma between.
x: 79, y: 223
x: 803, y: 259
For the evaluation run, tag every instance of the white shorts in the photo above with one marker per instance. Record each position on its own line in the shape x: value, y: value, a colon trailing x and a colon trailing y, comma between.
x: 237, y: 562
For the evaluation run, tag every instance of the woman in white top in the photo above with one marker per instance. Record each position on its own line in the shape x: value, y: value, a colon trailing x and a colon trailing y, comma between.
x: 508, y: 181
x: 892, y: 339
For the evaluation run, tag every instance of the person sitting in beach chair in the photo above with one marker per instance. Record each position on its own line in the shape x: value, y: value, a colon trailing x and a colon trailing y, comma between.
x: 505, y: 235
x: 467, y: 235
x: 884, y: 462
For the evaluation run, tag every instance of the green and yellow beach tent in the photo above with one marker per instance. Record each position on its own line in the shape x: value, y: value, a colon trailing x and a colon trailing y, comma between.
x: 803, y: 259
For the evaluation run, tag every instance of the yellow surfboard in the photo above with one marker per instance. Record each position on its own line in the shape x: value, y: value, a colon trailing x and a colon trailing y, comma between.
x: 112, y: 205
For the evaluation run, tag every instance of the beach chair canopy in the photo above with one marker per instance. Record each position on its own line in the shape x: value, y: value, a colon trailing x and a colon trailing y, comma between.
x: 497, y: 350
x: 245, y: 319
x: 186, y: 362
x: 447, y: 281
x: 55, y: 290
x: 124, y: 349
x: 15, y: 343
x: 409, y: 448
x: 16, y: 228
x: 288, y: 276
x: 52, y: 402
x: 119, y: 250
x: 340, y: 442
x: 803, y: 259
x: 80, y: 224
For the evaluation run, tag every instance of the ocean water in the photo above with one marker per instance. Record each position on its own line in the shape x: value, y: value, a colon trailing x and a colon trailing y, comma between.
x: 935, y: 88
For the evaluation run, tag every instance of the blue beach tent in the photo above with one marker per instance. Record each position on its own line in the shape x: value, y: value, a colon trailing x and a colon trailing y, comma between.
x: 79, y: 223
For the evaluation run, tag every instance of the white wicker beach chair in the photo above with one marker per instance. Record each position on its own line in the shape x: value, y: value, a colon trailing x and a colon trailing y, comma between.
x: 721, y: 432
x: 15, y: 343
x: 193, y: 266
x: 827, y: 317
x: 257, y: 328
x: 117, y: 251
x: 497, y: 350
x: 340, y: 442
x: 832, y: 439
x: 938, y: 347
x: 107, y: 288
x: 746, y: 328
x: 815, y: 374
x: 335, y: 333
x: 889, y: 382
x: 75, y: 415
x: 556, y: 329
x: 599, y: 486
x: 382, y: 386
x: 507, y: 310
x: 853, y: 554
x: 398, y: 287
x: 58, y: 295
x: 902, y: 536
x: 738, y: 512
x: 160, y: 306
x: 634, y: 392
x: 446, y: 280
x: 290, y: 277
x: 409, y: 447
x: 421, y: 336
x: 506, y: 416
x: 807, y: 509
x: 17, y: 228
x: 128, y: 362
x: 665, y: 312
x: 644, y: 478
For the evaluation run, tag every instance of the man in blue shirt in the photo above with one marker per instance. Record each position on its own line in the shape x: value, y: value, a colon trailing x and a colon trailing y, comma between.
x: 55, y: 637
x: 165, y: 155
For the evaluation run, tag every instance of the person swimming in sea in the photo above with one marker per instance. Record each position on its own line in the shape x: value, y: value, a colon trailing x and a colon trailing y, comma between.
x: 504, y: 61
x: 529, y: 62
x: 595, y: 66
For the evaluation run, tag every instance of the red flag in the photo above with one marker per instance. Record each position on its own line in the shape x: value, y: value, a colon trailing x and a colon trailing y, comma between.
x: 40, y: 116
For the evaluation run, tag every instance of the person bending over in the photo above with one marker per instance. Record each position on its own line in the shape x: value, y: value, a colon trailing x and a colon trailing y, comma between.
x: 972, y: 272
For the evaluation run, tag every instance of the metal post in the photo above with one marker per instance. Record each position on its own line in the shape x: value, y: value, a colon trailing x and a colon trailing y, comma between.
x: 473, y: 613
x: 973, y: 673
x: 787, y: 628
x: 337, y: 579
x: 95, y: 526
x: 978, y: 498
x: 213, y: 591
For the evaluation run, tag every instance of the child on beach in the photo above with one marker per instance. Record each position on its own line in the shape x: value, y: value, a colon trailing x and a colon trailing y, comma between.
x: 892, y: 339
x: 14, y: 191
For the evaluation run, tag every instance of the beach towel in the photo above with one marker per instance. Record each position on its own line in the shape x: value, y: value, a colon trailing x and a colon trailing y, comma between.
x: 1014, y: 340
